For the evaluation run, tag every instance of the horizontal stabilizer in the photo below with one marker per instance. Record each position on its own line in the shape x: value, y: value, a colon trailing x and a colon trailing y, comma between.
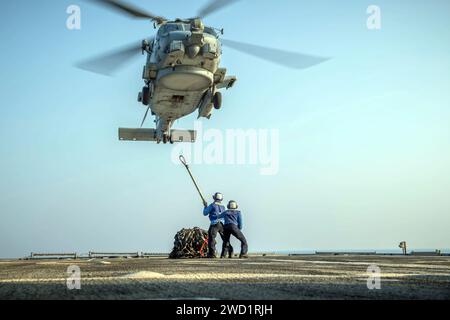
x: 183, y: 135
x: 227, y: 83
x: 128, y: 134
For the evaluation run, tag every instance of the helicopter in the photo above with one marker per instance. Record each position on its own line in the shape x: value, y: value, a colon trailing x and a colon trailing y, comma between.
x: 182, y: 73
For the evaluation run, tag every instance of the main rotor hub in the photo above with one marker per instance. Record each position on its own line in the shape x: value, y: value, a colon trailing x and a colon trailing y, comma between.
x: 197, y: 25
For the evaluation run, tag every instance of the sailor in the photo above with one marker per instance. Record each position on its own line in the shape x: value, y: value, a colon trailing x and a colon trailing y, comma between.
x: 233, y: 226
x: 216, y: 226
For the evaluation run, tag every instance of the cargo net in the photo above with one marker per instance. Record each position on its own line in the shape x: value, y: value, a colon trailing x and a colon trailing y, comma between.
x: 190, y: 243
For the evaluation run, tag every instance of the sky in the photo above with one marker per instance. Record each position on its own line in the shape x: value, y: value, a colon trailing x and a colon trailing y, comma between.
x: 364, y: 138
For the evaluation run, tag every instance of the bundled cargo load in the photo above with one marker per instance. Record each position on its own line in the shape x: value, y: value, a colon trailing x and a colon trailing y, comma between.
x: 190, y: 243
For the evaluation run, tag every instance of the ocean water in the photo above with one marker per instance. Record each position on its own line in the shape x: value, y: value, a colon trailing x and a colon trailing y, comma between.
x: 379, y: 251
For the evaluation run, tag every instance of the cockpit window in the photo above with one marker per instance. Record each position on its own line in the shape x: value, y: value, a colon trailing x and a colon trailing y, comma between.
x: 170, y: 27
x: 211, y: 31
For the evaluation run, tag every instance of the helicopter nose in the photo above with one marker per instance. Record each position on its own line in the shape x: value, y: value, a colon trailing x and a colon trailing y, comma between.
x: 194, y: 43
x: 193, y: 50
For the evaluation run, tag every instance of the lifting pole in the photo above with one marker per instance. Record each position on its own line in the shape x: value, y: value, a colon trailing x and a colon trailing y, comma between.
x: 183, y: 161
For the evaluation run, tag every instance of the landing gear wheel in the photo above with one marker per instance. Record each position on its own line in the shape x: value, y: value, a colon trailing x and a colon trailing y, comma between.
x: 217, y: 100
x: 165, y: 139
x: 145, y: 96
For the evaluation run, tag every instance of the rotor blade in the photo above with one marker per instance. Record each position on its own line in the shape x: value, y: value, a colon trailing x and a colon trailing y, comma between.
x: 213, y: 6
x: 129, y: 9
x: 284, y: 58
x: 145, y: 117
x: 108, y: 63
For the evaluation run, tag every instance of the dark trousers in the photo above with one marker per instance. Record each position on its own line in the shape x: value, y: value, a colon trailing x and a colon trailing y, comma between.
x: 212, y: 234
x: 232, y: 229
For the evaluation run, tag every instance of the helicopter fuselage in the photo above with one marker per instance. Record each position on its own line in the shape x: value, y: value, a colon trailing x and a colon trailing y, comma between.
x: 182, y: 75
x: 182, y: 72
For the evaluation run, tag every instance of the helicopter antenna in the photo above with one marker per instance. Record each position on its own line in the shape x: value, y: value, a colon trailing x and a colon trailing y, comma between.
x: 221, y: 31
x: 145, y: 116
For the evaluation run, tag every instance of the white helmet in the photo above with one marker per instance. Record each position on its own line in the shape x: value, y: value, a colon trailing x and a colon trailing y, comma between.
x: 232, y: 205
x: 218, y: 196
